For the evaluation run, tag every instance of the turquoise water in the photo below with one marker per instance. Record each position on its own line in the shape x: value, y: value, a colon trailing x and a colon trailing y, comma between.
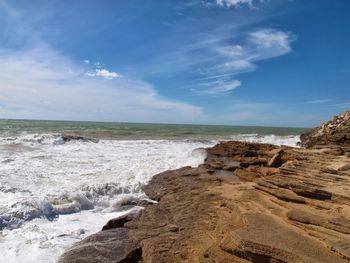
x: 131, y: 131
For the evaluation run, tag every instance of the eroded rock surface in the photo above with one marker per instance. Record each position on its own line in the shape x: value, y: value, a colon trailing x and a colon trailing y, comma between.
x: 238, y: 208
x: 247, y: 203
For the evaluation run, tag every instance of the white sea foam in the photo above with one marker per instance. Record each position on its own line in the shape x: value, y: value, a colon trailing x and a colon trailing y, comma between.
x: 291, y: 140
x: 53, y: 193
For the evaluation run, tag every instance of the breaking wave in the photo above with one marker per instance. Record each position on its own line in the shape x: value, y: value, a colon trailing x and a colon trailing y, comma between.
x: 44, y: 139
x: 105, y: 198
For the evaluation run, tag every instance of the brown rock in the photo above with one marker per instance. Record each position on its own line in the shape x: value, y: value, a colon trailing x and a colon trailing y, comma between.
x: 276, y: 160
x: 119, y: 221
x: 106, y: 246
x: 298, y: 212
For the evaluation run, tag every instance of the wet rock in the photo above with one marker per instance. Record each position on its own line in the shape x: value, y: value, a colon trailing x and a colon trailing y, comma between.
x: 112, y: 245
x: 67, y: 138
x: 119, y: 221
x: 134, y: 201
x: 8, y: 160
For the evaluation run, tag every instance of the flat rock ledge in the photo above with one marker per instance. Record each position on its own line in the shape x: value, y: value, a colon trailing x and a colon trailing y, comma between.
x: 247, y: 203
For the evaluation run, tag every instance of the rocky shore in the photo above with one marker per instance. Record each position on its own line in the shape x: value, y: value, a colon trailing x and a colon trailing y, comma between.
x: 247, y: 203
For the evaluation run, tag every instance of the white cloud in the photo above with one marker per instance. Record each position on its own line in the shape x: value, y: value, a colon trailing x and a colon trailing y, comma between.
x: 236, y: 59
x: 224, y: 62
x: 239, y: 65
x: 37, y: 84
x: 86, y: 61
x: 218, y: 87
x: 269, y: 43
x: 103, y: 73
x: 232, y: 51
x: 234, y: 3
x: 270, y: 38
x: 260, y: 45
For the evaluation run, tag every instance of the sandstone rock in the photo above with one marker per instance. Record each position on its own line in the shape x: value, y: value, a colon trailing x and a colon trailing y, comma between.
x: 254, y: 212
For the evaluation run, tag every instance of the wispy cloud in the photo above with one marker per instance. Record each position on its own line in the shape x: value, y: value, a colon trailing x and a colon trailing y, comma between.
x: 220, y: 58
x: 318, y: 101
x: 259, y: 45
x: 344, y: 105
x: 234, y: 3
x: 229, y: 3
x: 238, y: 58
x: 270, y: 38
x: 218, y: 87
x: 269, y: 43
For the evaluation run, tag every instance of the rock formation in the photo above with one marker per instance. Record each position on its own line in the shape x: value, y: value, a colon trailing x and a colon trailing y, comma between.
x: 247, y: 203
x: 333, y: 132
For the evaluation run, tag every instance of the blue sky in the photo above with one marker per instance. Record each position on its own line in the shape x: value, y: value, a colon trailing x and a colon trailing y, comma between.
x: 238, y: 62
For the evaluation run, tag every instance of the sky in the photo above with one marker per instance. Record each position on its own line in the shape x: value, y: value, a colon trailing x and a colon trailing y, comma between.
x: 234, y: 62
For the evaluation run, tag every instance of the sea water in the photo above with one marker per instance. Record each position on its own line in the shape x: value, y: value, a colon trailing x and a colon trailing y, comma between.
x: 54, y: 192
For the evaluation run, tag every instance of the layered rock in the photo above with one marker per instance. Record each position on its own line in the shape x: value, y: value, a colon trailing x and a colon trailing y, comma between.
x: 247, y: 203
x: 333, y: 132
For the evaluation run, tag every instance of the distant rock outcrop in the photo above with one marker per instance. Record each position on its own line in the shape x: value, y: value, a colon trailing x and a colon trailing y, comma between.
x: 333, y: 132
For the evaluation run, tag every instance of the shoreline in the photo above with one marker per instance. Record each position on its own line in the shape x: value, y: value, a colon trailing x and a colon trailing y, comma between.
x: 246, y: 202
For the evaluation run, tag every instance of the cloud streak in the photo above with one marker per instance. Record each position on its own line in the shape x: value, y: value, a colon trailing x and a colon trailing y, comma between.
x: 218, y: 87
x: 234, y: 3
x: 218, y: 60
x: 260, y: 45
x: 318, y: 101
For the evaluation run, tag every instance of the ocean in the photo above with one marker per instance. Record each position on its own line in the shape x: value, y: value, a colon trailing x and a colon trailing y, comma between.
x: 55, y: 191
